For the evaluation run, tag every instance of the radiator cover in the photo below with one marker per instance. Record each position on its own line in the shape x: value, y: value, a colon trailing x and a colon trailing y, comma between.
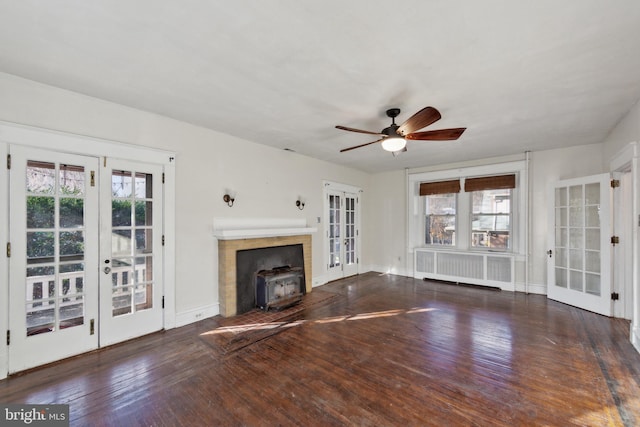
x: 480, y: 268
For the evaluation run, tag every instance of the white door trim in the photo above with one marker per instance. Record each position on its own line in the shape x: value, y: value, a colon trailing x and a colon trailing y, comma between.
x: 625, y: 158
x: 4, y: 271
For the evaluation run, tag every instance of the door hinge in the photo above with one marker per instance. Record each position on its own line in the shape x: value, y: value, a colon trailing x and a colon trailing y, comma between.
x: 615, y: 240
x: 615, y: 183
x: 93, y: 178
x: 163, y: 240
x: 8, y: 249
x: 163, y: 177
x: 8, y: 161
x: 615, y: 296
x: 162, y: 301
x: 8, y: 337
x: 92, y: 327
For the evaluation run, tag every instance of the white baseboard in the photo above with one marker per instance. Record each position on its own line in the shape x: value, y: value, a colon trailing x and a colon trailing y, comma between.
x: 399, y: 271
x: 196, y: 314
x: 533, y: 288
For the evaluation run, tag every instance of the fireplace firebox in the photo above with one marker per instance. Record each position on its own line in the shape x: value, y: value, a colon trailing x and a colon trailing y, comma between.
x: 280, y: 287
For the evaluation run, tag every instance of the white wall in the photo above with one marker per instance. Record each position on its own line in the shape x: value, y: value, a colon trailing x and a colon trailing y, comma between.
x: 266, y: 181
x: 386, y: 221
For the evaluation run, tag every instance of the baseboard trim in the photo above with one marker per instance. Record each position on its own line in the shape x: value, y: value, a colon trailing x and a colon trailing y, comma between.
x: 194, y: 315
x: 533, y: 288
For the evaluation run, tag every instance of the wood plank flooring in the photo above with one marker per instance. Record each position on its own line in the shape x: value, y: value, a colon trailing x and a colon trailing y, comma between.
x: 371, y: 350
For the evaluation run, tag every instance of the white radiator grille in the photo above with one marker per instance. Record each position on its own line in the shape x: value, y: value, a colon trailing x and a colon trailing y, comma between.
x: 499, y: 269
x: 460, y: 265
x: 476, y: 268
x: 424, y: 261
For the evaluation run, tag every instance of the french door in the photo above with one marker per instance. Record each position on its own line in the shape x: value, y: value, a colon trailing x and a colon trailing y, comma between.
x: 85, y: 266
x: 53, y: 264
x: 131, y: 250
x: 342, y: 234
x: 578, y: 261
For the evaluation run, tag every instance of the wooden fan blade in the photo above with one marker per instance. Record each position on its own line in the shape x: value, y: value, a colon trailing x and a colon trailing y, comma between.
x: 419, y: 120
x: 361, y: 145
x: 437, y: 135
x: 358, y: 130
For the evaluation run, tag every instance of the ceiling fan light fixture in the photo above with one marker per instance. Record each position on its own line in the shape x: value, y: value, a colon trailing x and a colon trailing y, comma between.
x: 394, y: 143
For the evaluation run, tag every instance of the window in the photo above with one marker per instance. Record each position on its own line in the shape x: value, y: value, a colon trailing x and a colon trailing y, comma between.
x: 440, y: 225
x: 440, y: 211
x: 491, y: 210
x: 491, y: 219
x: 475, y: 210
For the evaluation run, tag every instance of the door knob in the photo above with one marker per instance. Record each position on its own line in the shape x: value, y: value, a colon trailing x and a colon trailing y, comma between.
x: 549, y: 252
x: 107, y: 270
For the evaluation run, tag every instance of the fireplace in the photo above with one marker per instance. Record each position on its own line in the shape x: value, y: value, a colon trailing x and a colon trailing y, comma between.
x: 238, y: 234
x: 264, y: 263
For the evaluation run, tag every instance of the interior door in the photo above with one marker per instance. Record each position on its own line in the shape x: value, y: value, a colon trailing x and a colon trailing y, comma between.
x: 131, y: 255
x: 342, y: 234
x: 53, y: 264
x: 578, y: 262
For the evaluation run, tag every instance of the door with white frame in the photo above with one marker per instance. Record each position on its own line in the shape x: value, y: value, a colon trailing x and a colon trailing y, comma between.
x: 130, y: 250
x: 53, y: 263
x: 4, y: 269
x: 342, y: 247
x: 579, y: 257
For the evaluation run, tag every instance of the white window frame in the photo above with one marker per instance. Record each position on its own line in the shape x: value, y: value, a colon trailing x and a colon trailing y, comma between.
x: 416, y: 209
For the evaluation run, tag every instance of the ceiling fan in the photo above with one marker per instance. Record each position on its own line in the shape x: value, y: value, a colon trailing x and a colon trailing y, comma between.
x: 394, y: 138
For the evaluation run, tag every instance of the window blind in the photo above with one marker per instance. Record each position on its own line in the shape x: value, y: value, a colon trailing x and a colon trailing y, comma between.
x: 440, y: 187
x: 490, y: 183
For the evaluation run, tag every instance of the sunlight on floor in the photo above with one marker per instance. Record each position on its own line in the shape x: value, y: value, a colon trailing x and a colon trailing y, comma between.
x: 607, y: 413
x: 236, y: 329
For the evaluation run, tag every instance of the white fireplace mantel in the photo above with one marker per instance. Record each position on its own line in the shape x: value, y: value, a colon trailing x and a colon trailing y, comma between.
x: 252, y: 228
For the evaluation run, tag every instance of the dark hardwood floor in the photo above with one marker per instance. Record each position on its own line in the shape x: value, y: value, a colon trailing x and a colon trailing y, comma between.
x: 371, y: 350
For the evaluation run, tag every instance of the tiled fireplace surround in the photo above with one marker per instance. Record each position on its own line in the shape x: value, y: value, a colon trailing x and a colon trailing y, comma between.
x: 240, y: 234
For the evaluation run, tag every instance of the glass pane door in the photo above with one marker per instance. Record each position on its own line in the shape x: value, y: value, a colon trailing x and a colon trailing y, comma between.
x: 350, y: 235
x: 335, y: 230
x: 54, y: 287
x: 578, y: 260
x: 131, y: 237
x: 342, y: 234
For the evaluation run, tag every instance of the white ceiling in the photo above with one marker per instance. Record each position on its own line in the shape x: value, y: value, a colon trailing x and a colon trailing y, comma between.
x: 520, y: 75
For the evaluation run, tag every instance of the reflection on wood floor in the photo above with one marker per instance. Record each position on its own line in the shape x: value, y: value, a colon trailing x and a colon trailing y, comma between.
x: 371, y: 350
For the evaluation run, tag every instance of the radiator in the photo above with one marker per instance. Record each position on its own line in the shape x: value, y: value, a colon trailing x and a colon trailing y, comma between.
x: 487, y: 269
